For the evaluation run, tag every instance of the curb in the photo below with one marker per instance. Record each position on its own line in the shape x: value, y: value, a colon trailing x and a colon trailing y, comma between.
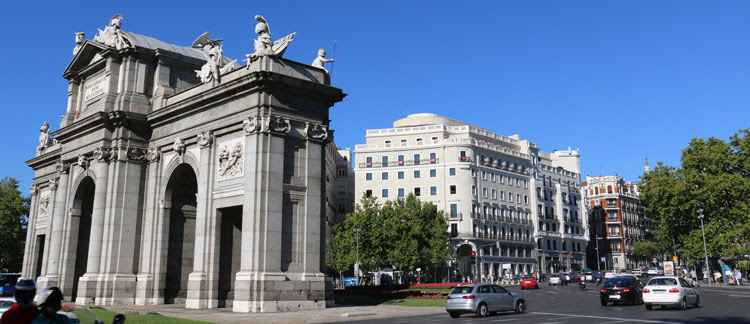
x: 358, y: 314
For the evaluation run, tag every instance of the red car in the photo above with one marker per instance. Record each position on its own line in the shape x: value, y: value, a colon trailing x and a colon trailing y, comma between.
x: 529, y: 282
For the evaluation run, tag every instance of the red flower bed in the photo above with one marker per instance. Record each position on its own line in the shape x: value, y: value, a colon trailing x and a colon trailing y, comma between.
x: 429, y: 296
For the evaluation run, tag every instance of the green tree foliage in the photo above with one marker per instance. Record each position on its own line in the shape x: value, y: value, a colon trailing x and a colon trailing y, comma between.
x: 714, y: 178
x: 14, y: 209
x: 646, y: 249
x: 403, y: 233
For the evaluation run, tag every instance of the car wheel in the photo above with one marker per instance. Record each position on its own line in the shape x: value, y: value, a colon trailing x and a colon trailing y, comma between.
x: 697, y: 301
x: 604, y: 303
x: 648, y: 306
x: 683, y: 303
x: 482, y: 310
x: 520, y: 307
x: 454, y: 314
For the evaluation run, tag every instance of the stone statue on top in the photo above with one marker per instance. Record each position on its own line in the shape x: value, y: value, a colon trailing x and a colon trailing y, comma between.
x: 321, y: 60
x: 263, y: 44
x: 215, y: 66
x: 112, y: 36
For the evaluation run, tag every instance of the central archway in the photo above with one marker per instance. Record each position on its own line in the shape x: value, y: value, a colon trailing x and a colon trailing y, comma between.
x: 181, y: 192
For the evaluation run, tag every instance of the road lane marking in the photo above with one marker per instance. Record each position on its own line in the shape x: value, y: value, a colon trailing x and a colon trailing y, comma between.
x: 505, y: 320
x: 600, y: 317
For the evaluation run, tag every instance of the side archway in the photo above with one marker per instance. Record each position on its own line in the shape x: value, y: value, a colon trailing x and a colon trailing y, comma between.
x: 80, y: 223
x: 180, y: 213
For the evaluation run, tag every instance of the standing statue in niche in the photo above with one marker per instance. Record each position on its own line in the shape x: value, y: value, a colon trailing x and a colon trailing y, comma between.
x: 112, y: 35
x: 321, y: 60
x: 215, y: 66
x: 263, y: 44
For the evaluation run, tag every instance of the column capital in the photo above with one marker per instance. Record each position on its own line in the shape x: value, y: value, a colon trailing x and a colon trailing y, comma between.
x: 153, y: 154
x: 83, y: 162
x: 251, y: 125
x: 101, y: 153
x: 278, y: 124
x: 316, y: 132
x: 53, y: 183
x: 33, y: 190
x: 205, y: 139
x: 61, y: 166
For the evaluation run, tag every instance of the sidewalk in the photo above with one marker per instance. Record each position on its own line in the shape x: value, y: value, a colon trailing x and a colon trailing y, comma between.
x: 328, y: 315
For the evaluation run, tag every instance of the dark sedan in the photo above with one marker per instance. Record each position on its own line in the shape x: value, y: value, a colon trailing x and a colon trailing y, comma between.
x: 621, y: 289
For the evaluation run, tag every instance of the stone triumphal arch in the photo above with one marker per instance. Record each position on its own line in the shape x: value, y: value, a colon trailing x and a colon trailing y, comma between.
x: 178, y: 175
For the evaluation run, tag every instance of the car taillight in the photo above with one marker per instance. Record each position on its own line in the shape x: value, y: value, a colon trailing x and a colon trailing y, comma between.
x: 469, y: 297
x: 674, y: 290
x: 646, y: 291
x: 626, y: 289
x: 603, y: 290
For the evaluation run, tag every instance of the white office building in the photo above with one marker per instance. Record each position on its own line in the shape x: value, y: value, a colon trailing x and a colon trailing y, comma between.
x: 511, y: 208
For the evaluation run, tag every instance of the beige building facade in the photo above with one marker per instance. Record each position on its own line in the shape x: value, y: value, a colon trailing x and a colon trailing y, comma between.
x: 486, y: 185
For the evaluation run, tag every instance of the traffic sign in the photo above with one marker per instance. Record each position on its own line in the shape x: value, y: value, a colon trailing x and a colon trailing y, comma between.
x: 674, y: 258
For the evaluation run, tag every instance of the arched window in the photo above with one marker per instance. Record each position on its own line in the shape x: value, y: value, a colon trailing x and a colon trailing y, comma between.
x: 609, y: 189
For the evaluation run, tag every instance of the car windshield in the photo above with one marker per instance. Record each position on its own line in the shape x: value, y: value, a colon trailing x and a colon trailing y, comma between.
x: 528, y: 278
x: 662, y: 282
x: 462, y: 290
x: 6, y: 303
x: 618, y: 281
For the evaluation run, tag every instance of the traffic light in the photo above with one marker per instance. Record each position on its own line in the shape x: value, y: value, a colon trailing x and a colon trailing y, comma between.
x: 473, y: 257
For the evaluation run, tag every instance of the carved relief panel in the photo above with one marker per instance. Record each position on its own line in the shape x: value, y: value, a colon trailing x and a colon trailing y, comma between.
x: 231, y: 160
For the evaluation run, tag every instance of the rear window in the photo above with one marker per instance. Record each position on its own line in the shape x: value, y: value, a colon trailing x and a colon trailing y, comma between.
x: 618, y: 281
x: 662, y: 282
x: 528, y: 278
x: 462, y: 290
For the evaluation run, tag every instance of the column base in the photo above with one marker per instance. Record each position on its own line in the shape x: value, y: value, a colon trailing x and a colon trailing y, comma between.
x: 117, y: 289
x: 198, y: 294
x: 87, y: 285
x: 145, y: 294
x: 47, y: 281
x: 274, y: 292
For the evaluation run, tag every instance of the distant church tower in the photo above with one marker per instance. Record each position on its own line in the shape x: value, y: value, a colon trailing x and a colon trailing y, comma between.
x: 646, y: 168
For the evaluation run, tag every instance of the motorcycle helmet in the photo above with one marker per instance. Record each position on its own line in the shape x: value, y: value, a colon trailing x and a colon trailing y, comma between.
x: 51, y: 296
x: 25, y: 291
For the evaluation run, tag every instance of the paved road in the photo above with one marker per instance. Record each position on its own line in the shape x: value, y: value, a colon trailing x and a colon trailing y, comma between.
x: 569, y: 304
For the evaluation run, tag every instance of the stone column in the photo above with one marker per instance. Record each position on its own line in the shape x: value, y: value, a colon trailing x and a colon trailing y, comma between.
x: 87, y: 283
x: 28, y: 254
x: 256, y: 284
x: 314, y: 280
x: 60, y: 188
x: 146, y: 291
x: 198, y: 294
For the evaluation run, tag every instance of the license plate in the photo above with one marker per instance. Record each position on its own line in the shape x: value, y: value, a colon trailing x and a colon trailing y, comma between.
x: 658, y: 291
x: 614, y: 296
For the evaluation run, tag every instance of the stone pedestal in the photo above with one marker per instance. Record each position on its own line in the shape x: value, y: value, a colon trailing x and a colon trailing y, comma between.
x: 87, y: 285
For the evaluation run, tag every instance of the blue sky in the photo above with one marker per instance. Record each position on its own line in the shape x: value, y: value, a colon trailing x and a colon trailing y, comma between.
x: 619, y: 80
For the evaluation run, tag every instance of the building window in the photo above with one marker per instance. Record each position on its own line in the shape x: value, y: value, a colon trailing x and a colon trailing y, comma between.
x: 518, y: 182
x: 385, y: 161
x: 453, y: 189
x: 368, y: 193
x: 454, y: 230
x: 416, y: 174
x: 554, y: 245
x: 433, y: 173
x: 387, y: 141
x: 492, y: 177
x: 416, y: 159
x: 368, y: 161
x: 484, y: 175
x: 341, y: 208
x: 403, y: 141
x: 484, y: 192
x: 400, y: 174
x: 433, y: 157
x: 400, y: 160
x: 384, y: 176
x: 368, y: 176
x: 417, y: 191
x: 463, y: 156
x: 502, y: 180
x: 452, y: 172
x: 385, y: 193
x: 473, y: 190
x: 502, y: 195
x: 434, y: 138
x: 526, y: 199
x: 401, y: 192
x: 518, y: 198
x: 525, y: 184
x: 454, y: 210
x: 433, y: 191
x: 494, y: 194
x: 510, y: 196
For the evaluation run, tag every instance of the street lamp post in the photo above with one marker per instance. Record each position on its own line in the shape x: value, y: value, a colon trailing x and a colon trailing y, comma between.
x: 357, y: 232
x: 705, y: 251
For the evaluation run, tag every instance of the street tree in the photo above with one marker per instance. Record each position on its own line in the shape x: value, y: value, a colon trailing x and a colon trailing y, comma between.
x: 14, y: 210
x: 713, y: 180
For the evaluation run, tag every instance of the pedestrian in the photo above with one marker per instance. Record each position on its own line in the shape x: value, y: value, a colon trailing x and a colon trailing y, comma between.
x: 738, y: 276
x: 23, y: 311
x: 717, y: 277
x: 693, y: 277
x: 730, y: 276
x: 50, y: 301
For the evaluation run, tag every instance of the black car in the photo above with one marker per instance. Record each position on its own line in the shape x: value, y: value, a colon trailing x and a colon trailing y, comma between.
x: 621, y: 289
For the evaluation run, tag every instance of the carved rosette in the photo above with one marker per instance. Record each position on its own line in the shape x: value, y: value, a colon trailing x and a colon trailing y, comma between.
x: 153, y: 154
x: 83, y: 162
x: 101, y: 153
x: 32, y: 190
x: 251, y: 125
x: 316, y: 132
x: 53, y: 183
x: 136, y: 154
x: 179, y: 146
x: 205, y: 139
x: 278, y: 124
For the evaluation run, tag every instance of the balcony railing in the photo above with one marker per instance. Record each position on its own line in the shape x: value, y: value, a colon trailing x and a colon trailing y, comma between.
x: 450, y: 215
x: 476, y: 215
x: 398, y: 163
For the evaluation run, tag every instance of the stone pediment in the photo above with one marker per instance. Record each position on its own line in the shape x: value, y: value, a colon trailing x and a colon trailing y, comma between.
x: 90, y: 52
